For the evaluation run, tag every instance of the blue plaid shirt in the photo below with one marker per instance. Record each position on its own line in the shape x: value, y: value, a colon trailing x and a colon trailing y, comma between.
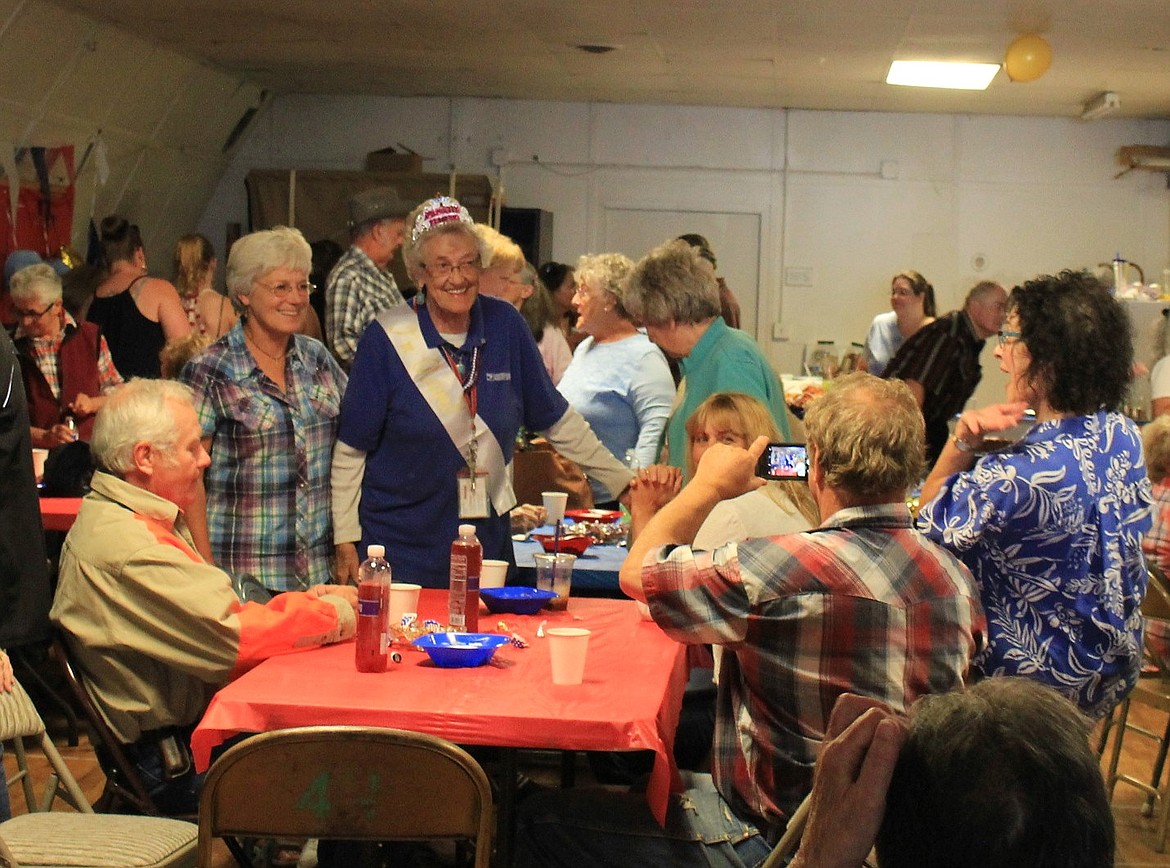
x: 268, y: 492
x: 356, y: 291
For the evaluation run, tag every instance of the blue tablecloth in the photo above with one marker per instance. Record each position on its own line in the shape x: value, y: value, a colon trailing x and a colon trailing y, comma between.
x: 594, y: 575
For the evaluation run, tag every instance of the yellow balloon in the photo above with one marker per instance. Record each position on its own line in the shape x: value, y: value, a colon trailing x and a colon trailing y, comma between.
x: 1028, y: 57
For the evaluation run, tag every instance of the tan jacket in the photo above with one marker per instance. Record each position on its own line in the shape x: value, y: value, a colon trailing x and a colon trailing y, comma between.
x: 155, y: 629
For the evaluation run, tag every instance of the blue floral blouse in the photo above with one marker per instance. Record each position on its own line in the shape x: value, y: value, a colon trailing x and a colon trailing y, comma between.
x: 1051, y: 529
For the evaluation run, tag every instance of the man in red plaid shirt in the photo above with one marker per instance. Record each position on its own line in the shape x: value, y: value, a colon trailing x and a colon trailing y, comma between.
x: 861, y: 604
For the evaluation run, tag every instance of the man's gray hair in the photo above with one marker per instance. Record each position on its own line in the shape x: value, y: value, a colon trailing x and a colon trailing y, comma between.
x: 40, y: 283
x: 258, y: 253
x: 136, y: 412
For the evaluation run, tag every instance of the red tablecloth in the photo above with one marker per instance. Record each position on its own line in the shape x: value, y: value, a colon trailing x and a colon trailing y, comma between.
x: 59, y: 513
x: 630, y: 698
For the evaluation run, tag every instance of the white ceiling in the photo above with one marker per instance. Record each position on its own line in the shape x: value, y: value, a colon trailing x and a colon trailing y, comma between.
x: 810, y: 54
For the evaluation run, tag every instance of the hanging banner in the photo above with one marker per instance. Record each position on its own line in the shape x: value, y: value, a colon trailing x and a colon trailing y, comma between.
x: 36, y: 200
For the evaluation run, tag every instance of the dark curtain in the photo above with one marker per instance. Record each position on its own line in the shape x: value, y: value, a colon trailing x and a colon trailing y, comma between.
x: 25, y: 594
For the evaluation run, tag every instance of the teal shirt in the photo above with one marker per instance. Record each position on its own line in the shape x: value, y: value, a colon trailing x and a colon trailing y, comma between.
x: 724, y: 360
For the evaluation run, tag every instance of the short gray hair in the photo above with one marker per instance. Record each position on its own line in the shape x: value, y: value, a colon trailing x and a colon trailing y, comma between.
x: 40, y: 282
x: 672, y: 283
x: 258, y: 253
x: 136, y: 412
x: 607, y: 272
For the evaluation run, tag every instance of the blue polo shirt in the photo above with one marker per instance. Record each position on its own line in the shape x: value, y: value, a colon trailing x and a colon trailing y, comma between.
x: 410, y: 498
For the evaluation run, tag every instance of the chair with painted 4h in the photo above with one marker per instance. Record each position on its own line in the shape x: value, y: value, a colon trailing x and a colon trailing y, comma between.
x: 47, y: 838
x: 349, y: 783
x: 1154, y: 692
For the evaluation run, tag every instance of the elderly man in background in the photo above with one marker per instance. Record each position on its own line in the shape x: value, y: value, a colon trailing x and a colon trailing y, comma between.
x: 360, y: 286
x: 66, y: 366
x: 862, y: 604
x: 940, y: 361
x: 154, y: 628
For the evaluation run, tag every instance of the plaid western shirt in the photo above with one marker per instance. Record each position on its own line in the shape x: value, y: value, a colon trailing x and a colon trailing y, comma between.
x: 943, y: 358
x: 1156, y: 542
x: 356, y: 291
x: 45, y: 352
x: 863, y: 604
x: 269, y: 510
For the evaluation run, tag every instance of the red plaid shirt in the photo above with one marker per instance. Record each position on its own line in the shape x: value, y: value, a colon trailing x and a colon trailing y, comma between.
x: 863, y: 604
x: 46, y: 350
x: 1156, y: 543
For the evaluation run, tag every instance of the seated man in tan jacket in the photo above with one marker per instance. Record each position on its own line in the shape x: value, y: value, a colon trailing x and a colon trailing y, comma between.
x: 154, y: 628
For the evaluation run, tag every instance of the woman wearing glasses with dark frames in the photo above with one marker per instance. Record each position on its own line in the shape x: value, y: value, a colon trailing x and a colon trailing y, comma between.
x: 1051, y: 525
x: 268, y: 398
x: 65, y: 365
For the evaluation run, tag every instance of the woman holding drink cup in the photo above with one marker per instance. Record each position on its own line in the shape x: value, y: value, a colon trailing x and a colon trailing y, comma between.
x: 438, y: 391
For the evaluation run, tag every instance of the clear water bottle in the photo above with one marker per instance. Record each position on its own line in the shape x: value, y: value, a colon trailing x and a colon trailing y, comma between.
x: 823, y: 361
x: 373, y: 633
x: 463, y: 595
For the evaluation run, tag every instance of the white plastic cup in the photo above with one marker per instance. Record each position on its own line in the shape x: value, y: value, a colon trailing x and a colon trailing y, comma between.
x: 39, y: 456
x: 494, y: 574
x: 403, y: 599
x: 554, y: 504
x: 566, y: 650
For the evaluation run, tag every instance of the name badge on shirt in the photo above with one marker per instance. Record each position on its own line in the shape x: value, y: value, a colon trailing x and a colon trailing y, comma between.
x: 473, y: 494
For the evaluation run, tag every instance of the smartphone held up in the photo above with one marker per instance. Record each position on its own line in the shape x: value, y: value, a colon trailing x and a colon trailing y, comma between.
x: 783, y: 461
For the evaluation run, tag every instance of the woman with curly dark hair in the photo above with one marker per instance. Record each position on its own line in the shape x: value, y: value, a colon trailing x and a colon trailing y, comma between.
x: 1051, y: 526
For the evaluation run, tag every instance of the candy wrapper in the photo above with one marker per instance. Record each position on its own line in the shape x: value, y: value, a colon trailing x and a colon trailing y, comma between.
x: 410, y: 628
x: 514, y: 637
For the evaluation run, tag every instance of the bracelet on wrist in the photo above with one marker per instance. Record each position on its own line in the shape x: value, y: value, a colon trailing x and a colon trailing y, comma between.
x: 963, y: 445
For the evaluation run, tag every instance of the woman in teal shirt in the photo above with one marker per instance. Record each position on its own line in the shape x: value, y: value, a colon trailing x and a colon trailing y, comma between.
x: 674, y: 294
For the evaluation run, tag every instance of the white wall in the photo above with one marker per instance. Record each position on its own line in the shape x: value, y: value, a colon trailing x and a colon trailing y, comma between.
x: 846, y: 198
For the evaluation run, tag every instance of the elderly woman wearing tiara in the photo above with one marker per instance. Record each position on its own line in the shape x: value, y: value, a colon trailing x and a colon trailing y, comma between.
x: 438, y: 391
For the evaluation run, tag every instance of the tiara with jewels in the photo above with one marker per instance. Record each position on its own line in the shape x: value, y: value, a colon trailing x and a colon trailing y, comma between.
x: 436, y: 212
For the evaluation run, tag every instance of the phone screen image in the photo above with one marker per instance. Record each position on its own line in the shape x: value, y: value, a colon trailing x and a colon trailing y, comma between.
x: 783, y: 461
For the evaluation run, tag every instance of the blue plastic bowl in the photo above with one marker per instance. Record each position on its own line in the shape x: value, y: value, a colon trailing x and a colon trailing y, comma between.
x: 515, y: 600
x: 456, y: 650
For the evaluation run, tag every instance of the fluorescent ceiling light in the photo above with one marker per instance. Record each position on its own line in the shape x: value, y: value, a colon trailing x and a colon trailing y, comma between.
x: 929, y: 73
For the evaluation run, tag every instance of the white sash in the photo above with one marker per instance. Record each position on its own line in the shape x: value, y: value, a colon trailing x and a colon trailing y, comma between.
x: 441, y: 389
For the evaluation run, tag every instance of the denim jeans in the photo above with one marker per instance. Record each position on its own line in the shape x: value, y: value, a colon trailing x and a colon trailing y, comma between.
x: 584, y: 828
x: 173, y: 797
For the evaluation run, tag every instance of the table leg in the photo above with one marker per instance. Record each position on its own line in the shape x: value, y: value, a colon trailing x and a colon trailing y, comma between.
x: 506, y: 817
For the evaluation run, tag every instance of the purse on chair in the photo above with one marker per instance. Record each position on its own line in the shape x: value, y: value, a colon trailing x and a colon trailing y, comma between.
x: 537, y: 467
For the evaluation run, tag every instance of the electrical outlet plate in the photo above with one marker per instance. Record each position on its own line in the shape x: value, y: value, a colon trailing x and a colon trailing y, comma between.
x: 798, y: 276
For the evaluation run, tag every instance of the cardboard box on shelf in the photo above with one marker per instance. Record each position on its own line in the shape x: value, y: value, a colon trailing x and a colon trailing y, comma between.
x: 391, y: 160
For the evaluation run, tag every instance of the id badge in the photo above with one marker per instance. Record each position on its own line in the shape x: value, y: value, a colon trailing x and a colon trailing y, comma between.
x: 473, y: 499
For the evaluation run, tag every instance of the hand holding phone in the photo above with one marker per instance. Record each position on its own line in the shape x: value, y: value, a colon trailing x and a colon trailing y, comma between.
x: 784, y: 461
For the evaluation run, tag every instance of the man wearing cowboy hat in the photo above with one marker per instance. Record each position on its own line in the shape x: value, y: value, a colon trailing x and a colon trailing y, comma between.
x: 360, y: 286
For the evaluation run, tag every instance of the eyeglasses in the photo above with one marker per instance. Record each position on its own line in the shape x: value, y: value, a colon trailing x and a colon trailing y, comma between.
x: 283, y: 290
x: 32, y: 314
x: 901, y: 292
x: 445, y: 270
x: 1006, y: 337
